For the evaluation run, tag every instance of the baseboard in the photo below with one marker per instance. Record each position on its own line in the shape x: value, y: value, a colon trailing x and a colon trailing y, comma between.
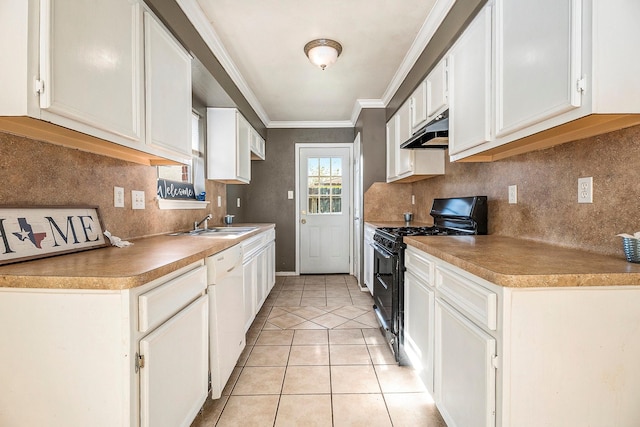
x: 286, y: 273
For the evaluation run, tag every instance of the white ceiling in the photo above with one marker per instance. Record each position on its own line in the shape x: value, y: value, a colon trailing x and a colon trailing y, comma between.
x: 260, y: 45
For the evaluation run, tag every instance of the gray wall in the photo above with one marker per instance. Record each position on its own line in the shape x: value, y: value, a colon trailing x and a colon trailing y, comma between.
x: 265, y: 199
x: 372, y: 127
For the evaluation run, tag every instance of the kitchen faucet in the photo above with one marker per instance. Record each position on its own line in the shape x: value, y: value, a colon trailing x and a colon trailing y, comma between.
x: 205, y: 220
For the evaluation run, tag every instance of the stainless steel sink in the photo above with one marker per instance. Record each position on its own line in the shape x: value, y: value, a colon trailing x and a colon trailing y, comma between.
x: 217, y: 231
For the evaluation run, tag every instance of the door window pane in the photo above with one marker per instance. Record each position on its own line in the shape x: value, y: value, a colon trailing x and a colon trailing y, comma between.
x: 324, y: 185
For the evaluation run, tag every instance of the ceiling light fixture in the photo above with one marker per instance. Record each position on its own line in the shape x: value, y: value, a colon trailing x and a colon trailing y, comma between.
x: 323, y: 52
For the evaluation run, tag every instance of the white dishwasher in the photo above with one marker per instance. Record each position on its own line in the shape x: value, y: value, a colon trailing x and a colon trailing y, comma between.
x: 226, y: 315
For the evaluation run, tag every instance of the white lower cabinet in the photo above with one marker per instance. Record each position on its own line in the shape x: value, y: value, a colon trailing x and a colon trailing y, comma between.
x: 105, y: 357
x: 173, y: 381
x: 419, y: 326
x: 367, y: 250
x: 258, y: 273
x: 465, y: 376
x: 526, y: 357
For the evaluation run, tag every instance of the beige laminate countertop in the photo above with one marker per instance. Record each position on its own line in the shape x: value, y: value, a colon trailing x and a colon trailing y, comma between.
x: 519, y: 263
x: 114, y: 268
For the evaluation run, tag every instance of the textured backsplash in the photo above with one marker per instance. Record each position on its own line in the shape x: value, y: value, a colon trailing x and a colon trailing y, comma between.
x: 547, y: 181
x: 37, y: 173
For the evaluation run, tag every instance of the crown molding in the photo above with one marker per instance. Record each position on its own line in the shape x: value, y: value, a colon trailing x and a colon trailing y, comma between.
x: 440, y: 10
x: 199, y: 20
x: 310, y: 124
x: 364, y: 103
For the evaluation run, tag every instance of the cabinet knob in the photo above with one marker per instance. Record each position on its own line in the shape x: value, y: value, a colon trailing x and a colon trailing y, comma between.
x: 303, y: 221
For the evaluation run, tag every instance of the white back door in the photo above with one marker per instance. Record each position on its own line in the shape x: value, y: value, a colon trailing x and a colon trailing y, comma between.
x: 324, y: 208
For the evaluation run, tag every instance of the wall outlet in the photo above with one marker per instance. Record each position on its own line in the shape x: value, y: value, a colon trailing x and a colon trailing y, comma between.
x: 118, y: 197
x: 137, y: 199
x: 413, y: 199
x: 290, y: 195
x: 513, y: 194
x: 585, y: 190
x: 238, y: 202
x: 219, y: 201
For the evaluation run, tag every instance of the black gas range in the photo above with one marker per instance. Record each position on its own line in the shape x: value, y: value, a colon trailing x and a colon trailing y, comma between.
x: 452, y: 217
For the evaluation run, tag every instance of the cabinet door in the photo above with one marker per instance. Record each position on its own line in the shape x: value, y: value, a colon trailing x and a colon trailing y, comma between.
x: 249, y: 291
x: 538, y: 53
x: 419, y: 107
x: 368, y: 257
x: 404, y: 158
x: 419, y: 331
x: 470, y: 85
x: 465, y: 379
x: 243, y: 159
x: 271, y: 266
x: 257, y: 146
x: 173, y: 381
x: 91, y: 67
x: 392, y: 137
x: 168, y: 90
x: 436, y: 86
x: 261, y: 278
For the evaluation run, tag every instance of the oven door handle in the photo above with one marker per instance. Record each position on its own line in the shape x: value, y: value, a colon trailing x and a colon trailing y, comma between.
x: 382, y: 251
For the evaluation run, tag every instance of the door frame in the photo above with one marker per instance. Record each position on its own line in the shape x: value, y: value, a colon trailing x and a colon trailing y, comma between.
x: 298, y: 146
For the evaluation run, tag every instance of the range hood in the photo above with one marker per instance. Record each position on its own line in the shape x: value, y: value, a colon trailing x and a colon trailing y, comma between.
x: 434, y: 134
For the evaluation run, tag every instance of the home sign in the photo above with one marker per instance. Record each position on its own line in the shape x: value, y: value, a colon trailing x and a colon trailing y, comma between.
x: 37, y: 232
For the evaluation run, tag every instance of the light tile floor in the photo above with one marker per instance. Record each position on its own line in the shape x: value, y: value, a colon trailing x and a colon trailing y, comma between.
x: 315, y: 357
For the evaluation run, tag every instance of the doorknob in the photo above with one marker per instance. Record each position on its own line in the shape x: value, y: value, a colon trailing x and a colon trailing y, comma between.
x: 304, y: 221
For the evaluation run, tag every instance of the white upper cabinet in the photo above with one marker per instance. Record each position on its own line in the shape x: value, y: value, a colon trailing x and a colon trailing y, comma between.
x: 391, y: 149
x: 437, y: 90
x: 404, y: 158
x: 470, y: 86
x: 559, y: 73
x: 168, y: 90
x: 100, y: 69
x: 257, y: 146
x: 538, y: 67
x: 419, y: 107
x: 409, y: 165
x: 228, y: 146
x: 430, y: 97
x: 91, y: 67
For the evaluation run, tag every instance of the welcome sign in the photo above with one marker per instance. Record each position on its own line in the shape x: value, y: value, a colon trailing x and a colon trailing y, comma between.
x: 39, y: 232
x: 175, y: 190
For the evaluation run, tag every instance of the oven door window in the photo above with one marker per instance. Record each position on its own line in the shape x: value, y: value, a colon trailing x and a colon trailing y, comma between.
x: 383, y: 287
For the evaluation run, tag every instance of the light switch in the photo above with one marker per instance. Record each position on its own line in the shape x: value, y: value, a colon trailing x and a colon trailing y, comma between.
x: 137, y: 199
x: 238, y: 202
x: 290, y: 195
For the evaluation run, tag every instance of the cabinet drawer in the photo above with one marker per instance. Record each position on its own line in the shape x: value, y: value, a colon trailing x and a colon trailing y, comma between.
x: 419, y: 265
x: 251, y: 246
x: 159, y: 304
x: 472, y: 299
